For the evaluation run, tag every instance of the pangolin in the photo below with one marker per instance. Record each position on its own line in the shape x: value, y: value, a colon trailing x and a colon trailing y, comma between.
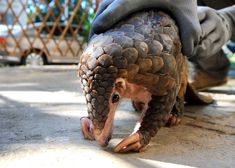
x: 140, y: 58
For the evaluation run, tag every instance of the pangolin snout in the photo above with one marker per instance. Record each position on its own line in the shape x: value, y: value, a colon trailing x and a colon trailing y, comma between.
x: 101, y: 138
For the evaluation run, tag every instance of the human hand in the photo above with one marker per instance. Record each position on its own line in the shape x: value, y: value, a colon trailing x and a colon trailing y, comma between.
x: 216, y: 31
x: 184, y: 11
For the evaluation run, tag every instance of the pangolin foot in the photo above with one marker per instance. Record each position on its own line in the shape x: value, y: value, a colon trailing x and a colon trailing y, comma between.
x: 173, y: 121
x: 131, y: 143
x: 87, y: 128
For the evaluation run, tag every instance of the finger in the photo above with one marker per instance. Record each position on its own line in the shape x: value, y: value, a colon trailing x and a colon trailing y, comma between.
x: 208, y: 26
x: 201, y: 14
x: 132, y: 147
x: 190, y: 38
x: 129, y: 140
x: 207, y: 41
x: 217, y: 46
x: 211, y: 44
x: 218, y: 41
x: 103, y: 5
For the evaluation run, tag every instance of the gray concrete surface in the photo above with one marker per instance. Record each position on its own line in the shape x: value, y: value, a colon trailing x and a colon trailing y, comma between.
x: 39, y: 127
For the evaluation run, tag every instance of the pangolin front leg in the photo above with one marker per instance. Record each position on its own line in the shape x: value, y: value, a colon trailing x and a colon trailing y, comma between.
x: 156, y: 116
x: 87, y: 128
x: 176, y: 113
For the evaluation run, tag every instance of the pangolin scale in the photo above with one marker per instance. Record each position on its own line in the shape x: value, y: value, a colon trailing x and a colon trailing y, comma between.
x: 139, y: 58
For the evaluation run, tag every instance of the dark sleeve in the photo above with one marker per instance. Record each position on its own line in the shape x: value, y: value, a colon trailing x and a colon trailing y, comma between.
x: 216, y: 4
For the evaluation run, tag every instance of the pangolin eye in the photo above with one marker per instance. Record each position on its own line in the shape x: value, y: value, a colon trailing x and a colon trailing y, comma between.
x: 115, y: 98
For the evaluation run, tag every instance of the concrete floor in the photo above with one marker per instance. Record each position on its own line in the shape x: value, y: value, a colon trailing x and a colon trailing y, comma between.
x: 40, y: 127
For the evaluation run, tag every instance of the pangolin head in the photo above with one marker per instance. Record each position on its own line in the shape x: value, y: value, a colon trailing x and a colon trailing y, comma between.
x: 98, y: 71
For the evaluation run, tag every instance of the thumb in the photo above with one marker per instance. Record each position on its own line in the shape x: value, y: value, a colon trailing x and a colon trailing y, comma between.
x: 201, y: 13
x: 103, y: 5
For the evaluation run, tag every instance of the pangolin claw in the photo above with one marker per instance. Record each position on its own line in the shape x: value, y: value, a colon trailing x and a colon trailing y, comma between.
x: 87, y: 128
x: 131, y: 143
x: 173, y: 121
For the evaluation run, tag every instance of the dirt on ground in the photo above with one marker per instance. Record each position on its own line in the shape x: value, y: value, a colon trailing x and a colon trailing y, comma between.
x: 40, y: 110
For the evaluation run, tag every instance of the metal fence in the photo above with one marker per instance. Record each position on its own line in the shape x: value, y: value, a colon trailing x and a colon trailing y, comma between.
x: 44, y: 31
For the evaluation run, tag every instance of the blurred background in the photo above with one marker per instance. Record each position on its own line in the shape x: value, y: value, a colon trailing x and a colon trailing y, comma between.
x: 39, y: 32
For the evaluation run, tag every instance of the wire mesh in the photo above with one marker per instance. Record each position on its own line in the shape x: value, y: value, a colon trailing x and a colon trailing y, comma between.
x: 57, y: 30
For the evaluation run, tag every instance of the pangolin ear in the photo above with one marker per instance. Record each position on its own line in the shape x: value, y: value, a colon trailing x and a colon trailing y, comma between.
x: 120, y: 83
